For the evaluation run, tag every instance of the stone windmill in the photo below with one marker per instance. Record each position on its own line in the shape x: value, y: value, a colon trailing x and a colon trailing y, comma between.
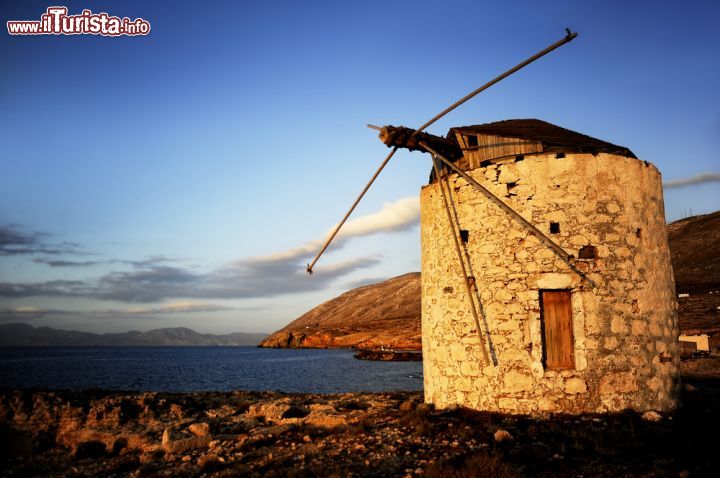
x: 546, y: 276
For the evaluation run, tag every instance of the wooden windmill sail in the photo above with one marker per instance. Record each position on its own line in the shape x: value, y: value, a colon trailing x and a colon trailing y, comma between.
x: 443, y: 152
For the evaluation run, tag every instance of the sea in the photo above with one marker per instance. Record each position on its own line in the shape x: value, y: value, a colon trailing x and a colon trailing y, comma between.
x: 189, y: 369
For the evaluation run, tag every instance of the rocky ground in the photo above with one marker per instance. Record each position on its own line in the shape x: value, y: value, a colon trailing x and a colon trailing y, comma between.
x: 99, y: 433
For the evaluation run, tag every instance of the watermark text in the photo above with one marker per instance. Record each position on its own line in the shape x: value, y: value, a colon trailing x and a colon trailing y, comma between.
x: 56, y: 21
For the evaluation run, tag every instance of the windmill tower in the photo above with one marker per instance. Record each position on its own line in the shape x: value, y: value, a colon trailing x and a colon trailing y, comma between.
x: 593, y: 333
x: 546, y: 276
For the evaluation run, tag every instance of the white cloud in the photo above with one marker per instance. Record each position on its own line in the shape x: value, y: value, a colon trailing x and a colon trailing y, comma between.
x: 26, y: 313
x: 170, y: 308
x: 153, y: 281
x: 395, y: 216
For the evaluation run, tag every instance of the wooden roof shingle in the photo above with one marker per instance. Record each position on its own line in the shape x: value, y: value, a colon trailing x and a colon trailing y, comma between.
x: 554, y: 138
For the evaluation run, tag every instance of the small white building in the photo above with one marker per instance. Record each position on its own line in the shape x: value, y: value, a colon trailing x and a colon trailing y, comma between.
x: 702, y: 341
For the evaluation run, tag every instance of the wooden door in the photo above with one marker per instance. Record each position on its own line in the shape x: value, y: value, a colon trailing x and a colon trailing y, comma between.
x: 556, y: 317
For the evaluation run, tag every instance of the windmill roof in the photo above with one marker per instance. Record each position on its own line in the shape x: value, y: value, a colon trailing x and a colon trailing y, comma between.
x: 553, y: 137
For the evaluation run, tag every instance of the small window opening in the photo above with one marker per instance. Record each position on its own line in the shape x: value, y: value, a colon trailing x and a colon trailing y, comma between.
x: 510, y: 187
x: 519, y: 157
x: 472, y: 141
x: 554, y: 227
x: 638, y: 233
x: 587, y: 252
x: 464, y: 235
x: 560, y: 155
x: 448, y: 290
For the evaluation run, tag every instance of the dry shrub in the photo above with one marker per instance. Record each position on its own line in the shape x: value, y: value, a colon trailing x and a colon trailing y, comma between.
x: 472, y: 466
x: 420, y: 422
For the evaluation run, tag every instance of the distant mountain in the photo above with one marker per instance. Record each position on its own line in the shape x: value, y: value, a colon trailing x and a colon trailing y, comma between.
x: 27, y: 335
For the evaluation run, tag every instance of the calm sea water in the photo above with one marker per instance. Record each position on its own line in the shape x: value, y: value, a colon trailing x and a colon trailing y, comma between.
x: 185, y: 369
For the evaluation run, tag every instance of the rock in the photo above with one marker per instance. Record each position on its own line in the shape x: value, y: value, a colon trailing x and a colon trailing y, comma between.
x: 325, y: 420
x: 90, y: 449
x: 516, y: 381
x: 407, y: 405
x: 239, y: 437
x: 617, y: 382
x: 272, y: 411
x: 295, y: 412
x: 652, y: 416
x: 307, y: 439
x: 151, y: 456
x: 208, y: 462
x: 170, y: 434
x: 689, y: 388
x: 199, y: 429
x: 501, y: 435
x: 174, y: 442
x: 276, y: 430
x: 575, y: 385
x: 424, y: 408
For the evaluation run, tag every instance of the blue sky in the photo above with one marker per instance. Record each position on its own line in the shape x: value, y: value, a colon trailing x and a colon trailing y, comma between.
x: 182, y: 179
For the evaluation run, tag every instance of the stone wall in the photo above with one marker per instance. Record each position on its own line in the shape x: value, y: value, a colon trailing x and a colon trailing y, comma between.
x: 625, y: 330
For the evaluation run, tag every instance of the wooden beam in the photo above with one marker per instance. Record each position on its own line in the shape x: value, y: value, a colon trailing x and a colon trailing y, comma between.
x: 559, y: 251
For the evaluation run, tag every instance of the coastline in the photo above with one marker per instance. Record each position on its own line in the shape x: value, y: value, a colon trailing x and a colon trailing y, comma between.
x: 95, y: 432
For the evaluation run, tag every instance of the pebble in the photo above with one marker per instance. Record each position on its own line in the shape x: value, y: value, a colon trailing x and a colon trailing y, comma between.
x: 652, y: 416
x: 501, y: 435
x: 199, y: 429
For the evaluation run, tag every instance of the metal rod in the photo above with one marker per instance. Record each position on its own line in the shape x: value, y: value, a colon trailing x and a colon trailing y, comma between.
x: 352, y: 208
x: 480, y: 308
x: 372, y: 126
x: 468, y: 287
x: 559, y: 251
x: 568, y: 38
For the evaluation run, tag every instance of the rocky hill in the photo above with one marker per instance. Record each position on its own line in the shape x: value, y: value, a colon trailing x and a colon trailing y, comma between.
x: 695, y: 250
x: 27, y: 335
x: 388, y: 313
x: 385, y: 314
